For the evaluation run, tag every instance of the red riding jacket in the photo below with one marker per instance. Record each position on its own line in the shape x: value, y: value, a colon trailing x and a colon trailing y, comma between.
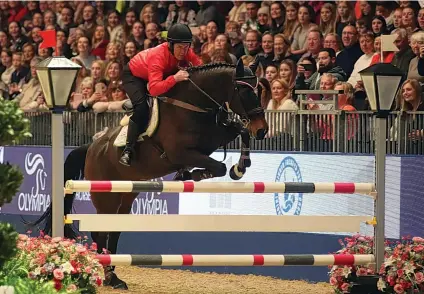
x: 152, y: 64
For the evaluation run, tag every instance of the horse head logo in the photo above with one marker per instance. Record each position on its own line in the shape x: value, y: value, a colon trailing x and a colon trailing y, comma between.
x: 35, y: 164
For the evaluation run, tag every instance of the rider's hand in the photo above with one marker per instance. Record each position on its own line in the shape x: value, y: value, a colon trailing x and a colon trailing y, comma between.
x: 180, y: 76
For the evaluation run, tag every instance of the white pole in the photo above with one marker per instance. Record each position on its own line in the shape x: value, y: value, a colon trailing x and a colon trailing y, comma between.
x: 380, y: 164
x: 58, y: 147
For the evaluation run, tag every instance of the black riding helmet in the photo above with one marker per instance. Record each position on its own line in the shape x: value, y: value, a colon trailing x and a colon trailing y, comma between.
x: 179, y: 33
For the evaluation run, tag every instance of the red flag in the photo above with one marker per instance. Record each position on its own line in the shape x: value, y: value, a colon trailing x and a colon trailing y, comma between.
x: 49, y: 38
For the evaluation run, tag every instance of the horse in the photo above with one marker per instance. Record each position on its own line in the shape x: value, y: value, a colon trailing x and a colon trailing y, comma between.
x: 194, y: 121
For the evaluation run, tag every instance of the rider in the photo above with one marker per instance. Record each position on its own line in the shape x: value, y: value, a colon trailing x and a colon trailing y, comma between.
x: 151, y: 66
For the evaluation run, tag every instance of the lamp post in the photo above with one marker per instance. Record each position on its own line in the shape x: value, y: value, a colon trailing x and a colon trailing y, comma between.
x: 57, y: 75
x: 381, y: 83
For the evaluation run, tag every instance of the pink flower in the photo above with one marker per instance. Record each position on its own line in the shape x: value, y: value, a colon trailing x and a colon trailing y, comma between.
x: 81, y: 249
x: 418, y: 240
x: 22, y: 237
x: 58, y: 274
x: 333, y: 281
x: 345, y: 287
x: 88, y: 270
x: 419, y: 277
x: 419, y: 248
x: 398, y: 289
x: 72, y: 288
x: 56, y: 239
x: 361, y: 272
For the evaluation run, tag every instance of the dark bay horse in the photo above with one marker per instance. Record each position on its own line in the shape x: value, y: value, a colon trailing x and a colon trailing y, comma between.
x: 187, y: 134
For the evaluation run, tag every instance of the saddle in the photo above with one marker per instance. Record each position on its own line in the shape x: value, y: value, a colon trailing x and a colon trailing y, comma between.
x: 121, y: 139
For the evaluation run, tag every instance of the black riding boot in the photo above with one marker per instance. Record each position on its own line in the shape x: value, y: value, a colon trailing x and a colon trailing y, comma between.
x: 132, y: 136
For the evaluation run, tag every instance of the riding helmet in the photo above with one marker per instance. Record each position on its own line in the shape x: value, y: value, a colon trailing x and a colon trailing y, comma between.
x: 179, y: 33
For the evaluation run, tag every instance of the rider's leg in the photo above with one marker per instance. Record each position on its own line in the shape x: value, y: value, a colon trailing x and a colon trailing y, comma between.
x: 136, y: 90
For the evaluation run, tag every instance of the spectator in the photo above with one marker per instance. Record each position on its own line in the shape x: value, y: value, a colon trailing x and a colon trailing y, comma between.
x: 345, y: 99
x: 222, y: 43
x: 84, y: 49
x: 421, y: 19
x: 345, y: 16
x: 271, y: 73
x: 282, y: 49
x: 403, y: 57
x: 100, y: 42
x: 291, y: 20
x: 252, y: 43
x: 113, y: 71
x: 130, y: 19
x: 326, y: 64
x: 397, y: 18
x: 409, y: 20
x: 314, y: 43
x: 114, y: 51
x: 367, y: 11
x: 180, y: 13
x: 234, y: 35
x: 252, y: 15
x: 6, y: 76
x: 89, y: 97
x: 305, y: 15
x: 66, y: 20
x: 417, y: 41
x: 30, y: 97
x: 266, y: 57
x: 238, y: 11
x: 211, y: 33
x: 17, y: 39
x: 130, y: 51
x: 328, y: 19
x: 115, y: 29
x: 333, y: 41
x: 97, y: 70
x: 148, y: 14
x: 410, y: 97
x: 151, y: 40
x: 89, y: 21
x: 278, y: 14
x: 351, y: 52
x: 4, y: 41
x: 28, y: 53
x: 82, y: 74
x: 137, y: 35
x: 288, y: 72
x: 18, y: 76
x: 385, y: 9
x: 361, y: 26
x: 220, y: 55
x: 264, y: 19
x: 366, y: 42
x: 208, y: 12
x: 379, y: 26
x: 281, y: 96
x: 49, y: 18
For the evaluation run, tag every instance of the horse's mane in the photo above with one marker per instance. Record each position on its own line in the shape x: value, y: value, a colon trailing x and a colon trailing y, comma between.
x: 211, y: 68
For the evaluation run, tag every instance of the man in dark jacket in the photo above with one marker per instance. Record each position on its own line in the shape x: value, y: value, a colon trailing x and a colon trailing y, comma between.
x: 351, y: 52
x: 405, y: 54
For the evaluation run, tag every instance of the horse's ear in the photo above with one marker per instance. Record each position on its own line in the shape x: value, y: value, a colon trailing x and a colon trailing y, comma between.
x: 239, y: 69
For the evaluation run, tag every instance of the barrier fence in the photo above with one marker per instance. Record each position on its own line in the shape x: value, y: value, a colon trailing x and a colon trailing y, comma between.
x: 314, y: 131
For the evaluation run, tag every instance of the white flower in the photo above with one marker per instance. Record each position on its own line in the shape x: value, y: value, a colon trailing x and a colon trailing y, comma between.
x: 346, y: 271
x: 381, y: 285
x: 67, y: 267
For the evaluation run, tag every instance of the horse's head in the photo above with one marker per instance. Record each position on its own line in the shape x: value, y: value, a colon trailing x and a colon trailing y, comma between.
x: 246, y: 102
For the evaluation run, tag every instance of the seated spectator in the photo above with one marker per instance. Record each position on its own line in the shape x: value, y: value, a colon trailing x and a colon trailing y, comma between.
x: 314, y: 43
x: 410, y: 97
x: 366, y: 42
x: 409, y: 20
x: 278, y: 14
x: 271, y: 73
x: 291, y: 20
x: 222, y: 43
x: 6, y: 76
x: 130, y: 51
x: 252, y: 43
x: 234, y: 34
x: 328, y: 19
x: 345, y: 16
x: 421, y: 19
x: 180, y: 13
x: 345, y: 99
x: 89, y: 24
x: 113, y: 71
x: 306, y: 17
x: 18, y: 76
x: 351, y: 52
x: 417, y: 41
x: 115, y: 29
x: 265, y: 92
x: 151, y: 40
x: 99, y: 42
x: 361, y: 26
x: 17, y: 38
x: 326, y: 62
x: 28, y: 51
x: 82, y: 74
x: 251, y: 22
x: 403, y: 57
x: 264, y: 19
x: 282, y: 49
x: 91, y: 95
x: 327, y: 82
x: 211, y: 33
x: 266, y: 57
x: 84, y: 49
x: 114, y: 51
x: 333, y: 41
x: 385, y: 9
x: 97, y: 70
x: 379, y: 26
x: 288, y: 72
x: 137, y: 35
x: 116, y: 97
x: 208, y: 11
x: 30, y: 96
x: 4, y: 40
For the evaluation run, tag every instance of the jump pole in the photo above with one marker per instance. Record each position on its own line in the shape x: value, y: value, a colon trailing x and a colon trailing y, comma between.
x: 235, y: 260
x: 219, y: 187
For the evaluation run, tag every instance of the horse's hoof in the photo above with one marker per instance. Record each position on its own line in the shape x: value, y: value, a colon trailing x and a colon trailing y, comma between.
x: 183, y: 176
x: 115, y: 282
x: 236, y: 173
x: 247, y: 162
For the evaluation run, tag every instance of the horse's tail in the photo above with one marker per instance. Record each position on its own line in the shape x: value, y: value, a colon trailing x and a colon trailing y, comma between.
x: 74, y: 170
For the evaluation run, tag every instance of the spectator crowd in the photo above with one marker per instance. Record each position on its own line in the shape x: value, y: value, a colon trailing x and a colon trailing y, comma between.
x: 289, y: 45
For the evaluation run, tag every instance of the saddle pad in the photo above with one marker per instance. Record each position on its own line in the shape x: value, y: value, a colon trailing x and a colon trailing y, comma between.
x: 121, y: 139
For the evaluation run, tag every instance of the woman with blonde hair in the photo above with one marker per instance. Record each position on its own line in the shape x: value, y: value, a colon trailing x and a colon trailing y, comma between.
x: 328, y: 19
x: 410, y: 96
x: 99, y: 42
x: 291, y: 22
x: 281, y: 96
x: 288, y: 72
x: 114, y: 51
x: 97, y: 70
x: 345, y: 15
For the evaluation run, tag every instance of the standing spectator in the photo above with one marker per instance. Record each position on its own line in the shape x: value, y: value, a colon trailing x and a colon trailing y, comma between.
x: 351, y: 52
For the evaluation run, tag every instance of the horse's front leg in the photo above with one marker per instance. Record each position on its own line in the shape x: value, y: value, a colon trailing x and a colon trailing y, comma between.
x: 207, y: 167
x: 239, y: 169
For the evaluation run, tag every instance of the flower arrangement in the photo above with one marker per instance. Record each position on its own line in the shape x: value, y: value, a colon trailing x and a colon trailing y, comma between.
x: 342, y: 277
x: 402, y: 271
x: 67, y: 265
